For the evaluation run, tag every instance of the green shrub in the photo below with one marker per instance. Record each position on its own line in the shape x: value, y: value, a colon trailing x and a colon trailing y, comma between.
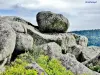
x: 95, y: 68
x: 53, y: 66
x: 26, y: 57
x: 18, y: 68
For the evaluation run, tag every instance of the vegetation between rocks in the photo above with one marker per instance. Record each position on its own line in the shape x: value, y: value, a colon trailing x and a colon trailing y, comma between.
x: 95, y: 68
x: 51, y: 66
x: 18, y: 68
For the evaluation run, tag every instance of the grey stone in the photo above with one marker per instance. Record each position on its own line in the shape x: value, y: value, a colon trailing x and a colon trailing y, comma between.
x: 90, y: 52
x: 81, y: 40
x: 93, y: 62
x: 94, y: 57
x: 51, y: 49
x: 18, y: 27
x: 7, y: 40
x: 75, y: 50
x: 65, y: 40
x: 51, y: 22
x: 18, y: 24
x: 69, y: 61
x: 24, y: 42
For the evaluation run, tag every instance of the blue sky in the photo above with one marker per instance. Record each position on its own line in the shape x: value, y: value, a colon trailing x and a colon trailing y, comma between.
x: 81, y: 15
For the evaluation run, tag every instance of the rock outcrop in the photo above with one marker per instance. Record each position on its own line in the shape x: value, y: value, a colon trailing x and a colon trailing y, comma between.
x: 71, y: 49
x: 70, y: 62
x: 7, y: 41
x: 10, y: 27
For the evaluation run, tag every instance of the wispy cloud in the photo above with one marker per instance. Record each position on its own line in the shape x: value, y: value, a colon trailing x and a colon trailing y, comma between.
x: 80, y: 14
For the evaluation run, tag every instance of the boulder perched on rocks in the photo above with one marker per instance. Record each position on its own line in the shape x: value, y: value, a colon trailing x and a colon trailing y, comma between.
x: 50, y: 22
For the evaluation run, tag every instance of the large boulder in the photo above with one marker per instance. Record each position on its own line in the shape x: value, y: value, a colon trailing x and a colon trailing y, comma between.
x: 7, y: 40
x: 51, y: 22
x: 24, y: 41
x: 9, y: 27
x: 52, y: 49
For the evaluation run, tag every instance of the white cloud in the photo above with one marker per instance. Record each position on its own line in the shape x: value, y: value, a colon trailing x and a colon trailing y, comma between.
x: 80, y: 14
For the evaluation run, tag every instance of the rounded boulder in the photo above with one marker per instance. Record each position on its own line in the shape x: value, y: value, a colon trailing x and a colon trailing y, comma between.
x: 50, y: 22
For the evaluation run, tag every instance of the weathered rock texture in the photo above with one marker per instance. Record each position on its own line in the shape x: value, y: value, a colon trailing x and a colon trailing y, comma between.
x: 70, y: 62
x: 51, y: 22
x: 9, y: 29
x: 7, y: 41
x: 52, y: 49
x: 24, y: 42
